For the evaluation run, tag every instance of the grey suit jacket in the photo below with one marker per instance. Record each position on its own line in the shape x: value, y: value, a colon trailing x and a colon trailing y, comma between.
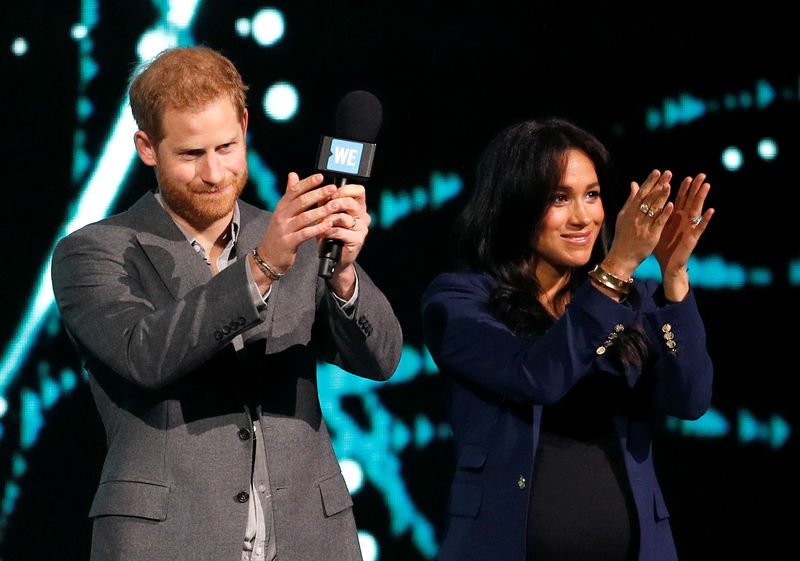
x: 154, y: 329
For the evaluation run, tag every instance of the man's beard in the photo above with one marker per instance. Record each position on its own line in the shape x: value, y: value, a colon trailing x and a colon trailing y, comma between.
x: 190, y: 203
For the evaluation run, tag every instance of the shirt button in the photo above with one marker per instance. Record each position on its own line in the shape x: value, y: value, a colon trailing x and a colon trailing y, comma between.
x: 262, y: 488
x: 244, y: 434
x: 600, y: 350
x: 243, y: 496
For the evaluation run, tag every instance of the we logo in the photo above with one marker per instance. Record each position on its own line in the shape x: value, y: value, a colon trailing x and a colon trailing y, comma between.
x: 345, y: 156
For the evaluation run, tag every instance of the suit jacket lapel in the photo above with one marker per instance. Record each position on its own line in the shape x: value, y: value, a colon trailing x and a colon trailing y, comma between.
x: 177, y: 263
x: 283, y: 315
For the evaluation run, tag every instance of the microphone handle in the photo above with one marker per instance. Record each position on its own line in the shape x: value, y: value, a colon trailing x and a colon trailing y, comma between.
x: 330, y: 251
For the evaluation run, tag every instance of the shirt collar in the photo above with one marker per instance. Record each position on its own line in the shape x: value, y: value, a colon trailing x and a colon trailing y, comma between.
x: 234, y: 229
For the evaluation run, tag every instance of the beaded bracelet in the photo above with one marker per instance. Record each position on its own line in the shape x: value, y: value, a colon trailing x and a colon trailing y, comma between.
x: 265, y: 268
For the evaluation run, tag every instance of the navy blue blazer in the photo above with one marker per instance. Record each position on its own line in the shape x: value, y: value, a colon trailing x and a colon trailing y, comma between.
x: 501, y: 381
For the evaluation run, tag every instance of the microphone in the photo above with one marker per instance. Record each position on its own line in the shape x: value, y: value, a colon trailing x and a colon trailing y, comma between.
x: 348, y: 156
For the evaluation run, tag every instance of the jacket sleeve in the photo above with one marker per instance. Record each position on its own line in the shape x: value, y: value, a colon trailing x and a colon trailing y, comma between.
x: 682, y: 366
x: 117, y: 316
x: 466, y: 341
x: 366, y: 340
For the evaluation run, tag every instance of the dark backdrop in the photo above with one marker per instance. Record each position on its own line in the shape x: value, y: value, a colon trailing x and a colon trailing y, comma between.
x: 665, y: 85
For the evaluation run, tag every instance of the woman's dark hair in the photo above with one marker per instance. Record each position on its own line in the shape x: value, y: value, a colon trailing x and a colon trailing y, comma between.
x: 516, y: 180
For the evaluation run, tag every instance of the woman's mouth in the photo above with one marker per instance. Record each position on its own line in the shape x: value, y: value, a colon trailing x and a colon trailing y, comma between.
x: 578, y: 238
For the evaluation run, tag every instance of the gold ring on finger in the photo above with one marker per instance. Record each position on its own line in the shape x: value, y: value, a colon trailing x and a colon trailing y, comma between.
x: 643, y: 207
x: 651, y: 213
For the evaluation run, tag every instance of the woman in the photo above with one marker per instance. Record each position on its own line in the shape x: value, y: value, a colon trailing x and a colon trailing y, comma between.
x: 560, y: 360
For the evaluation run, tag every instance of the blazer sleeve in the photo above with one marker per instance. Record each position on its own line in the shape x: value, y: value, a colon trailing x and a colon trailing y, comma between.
x: 682, y: 366
x: 366, y: 340
x: 119, y: 314
x: 466, y: 341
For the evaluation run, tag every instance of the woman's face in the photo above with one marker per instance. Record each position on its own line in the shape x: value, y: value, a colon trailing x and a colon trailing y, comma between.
x: 569, y: 229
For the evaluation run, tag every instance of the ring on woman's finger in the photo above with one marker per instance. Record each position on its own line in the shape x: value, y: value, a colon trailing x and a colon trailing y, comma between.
x: 651, y: 213
x: 696, y: 220
x: 355, y: 221
x: 643, y: 207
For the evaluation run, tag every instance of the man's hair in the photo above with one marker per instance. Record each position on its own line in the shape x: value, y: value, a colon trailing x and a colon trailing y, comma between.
x: 185, y: 79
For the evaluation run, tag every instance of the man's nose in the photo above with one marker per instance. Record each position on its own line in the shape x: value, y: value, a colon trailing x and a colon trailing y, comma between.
x: 211, y: 171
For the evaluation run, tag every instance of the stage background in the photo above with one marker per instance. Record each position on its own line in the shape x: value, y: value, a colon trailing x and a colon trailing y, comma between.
x: 674, y: 85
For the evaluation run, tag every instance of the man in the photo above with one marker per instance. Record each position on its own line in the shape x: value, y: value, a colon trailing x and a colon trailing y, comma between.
x: 200, y: 320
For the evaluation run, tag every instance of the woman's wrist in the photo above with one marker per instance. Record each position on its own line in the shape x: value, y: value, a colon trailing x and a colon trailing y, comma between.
x: 676, y: 284
x: 620, y: 268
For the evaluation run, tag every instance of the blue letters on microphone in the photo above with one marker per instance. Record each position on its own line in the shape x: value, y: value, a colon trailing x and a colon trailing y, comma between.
x: 345, y: 156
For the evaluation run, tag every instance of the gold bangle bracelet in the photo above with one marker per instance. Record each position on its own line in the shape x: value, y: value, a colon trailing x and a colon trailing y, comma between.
x: 610, y: 281
x: 265, y: 268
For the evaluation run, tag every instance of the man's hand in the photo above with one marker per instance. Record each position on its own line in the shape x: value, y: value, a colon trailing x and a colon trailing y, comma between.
x: 350, y: 225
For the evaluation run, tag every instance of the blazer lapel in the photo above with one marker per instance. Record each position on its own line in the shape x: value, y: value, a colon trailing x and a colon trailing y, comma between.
x: 177, y: 263
x: 283, y: 315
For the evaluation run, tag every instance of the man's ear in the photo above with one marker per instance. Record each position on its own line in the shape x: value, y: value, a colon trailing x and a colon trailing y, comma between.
x: 244, y: 122
x: 145, y: 148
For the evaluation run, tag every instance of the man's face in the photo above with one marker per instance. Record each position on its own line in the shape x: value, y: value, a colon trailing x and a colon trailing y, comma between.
x: 201, y: 162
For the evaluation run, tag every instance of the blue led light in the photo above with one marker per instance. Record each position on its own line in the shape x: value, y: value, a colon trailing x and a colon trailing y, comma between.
x: 765, y: 94
x: 759, y: 276
x: 31, y: 419
x: 794, y: 272
x: 352, y: 473
x: 423, y: 431
x: 242, y: 26
x: 10, y: 496
x: 767, y: 149
x: 79, y: 31
x: 732, y: 158
x: 395, y: 206
x: 268, y: 26
x: 773, y: 432
x: 281, y: 101
x: 712, y: 272
x: 711, y: 425
x: 18, y: 466
x: 19, y: 46
x: 369, y: 546
x: 179, y: 13
x: 264, y: 179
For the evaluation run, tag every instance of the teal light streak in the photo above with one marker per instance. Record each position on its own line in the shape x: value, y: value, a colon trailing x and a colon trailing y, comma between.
x: 687, y: 108
x: 711, y: 425
x: 377, y: 449
x: 794, y: 272
x: 100, y: 190
x: 774, y: 432
x: 442, y: 187
x: 713, y: 272
x: 18, y: 465
x: 31, y: 418
x: 265, y: 181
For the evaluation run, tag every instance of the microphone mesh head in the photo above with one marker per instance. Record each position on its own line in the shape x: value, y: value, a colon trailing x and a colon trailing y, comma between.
x: 359, y: 116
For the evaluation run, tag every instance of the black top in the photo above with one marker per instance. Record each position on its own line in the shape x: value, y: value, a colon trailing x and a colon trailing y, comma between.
x: 581, y: 503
